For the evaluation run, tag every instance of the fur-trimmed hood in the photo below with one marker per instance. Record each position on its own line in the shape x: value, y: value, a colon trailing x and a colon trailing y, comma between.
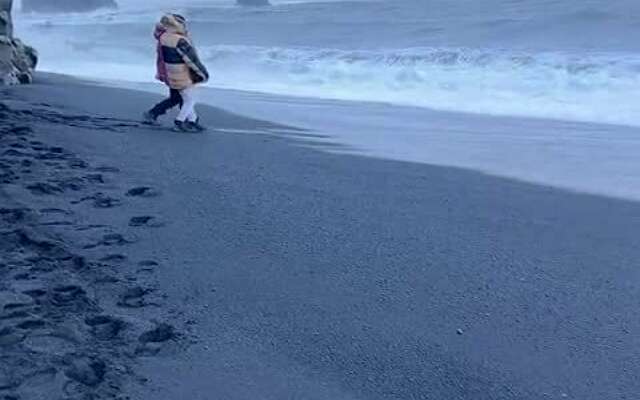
x: 173, y: 23
x: 159, y: 31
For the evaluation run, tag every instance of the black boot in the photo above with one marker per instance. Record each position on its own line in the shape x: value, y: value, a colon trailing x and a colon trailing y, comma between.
x: 180, y: 126
x: 195, y: 126
x: 149, y: 118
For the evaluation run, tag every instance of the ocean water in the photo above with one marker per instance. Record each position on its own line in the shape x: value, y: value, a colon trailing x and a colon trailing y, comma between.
x: 576, y: 60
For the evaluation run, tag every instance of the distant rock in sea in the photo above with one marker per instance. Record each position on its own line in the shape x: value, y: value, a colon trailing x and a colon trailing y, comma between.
x: 253, y: 3
x: 49, y: 6
x: 6, y: 26
x: 17, y: 60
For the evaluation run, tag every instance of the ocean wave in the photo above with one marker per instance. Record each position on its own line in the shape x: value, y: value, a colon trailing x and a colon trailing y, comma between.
x: 580, y: 60
x: 601, y: 87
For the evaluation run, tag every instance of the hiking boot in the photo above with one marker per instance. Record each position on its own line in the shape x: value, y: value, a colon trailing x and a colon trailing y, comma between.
x: 195, y: 126
x: 180, y: 126
x: 149, y: 119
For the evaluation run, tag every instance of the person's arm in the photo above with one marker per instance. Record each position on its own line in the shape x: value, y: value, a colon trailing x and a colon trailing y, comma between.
x: 161, y: 68
x: 190, y: 57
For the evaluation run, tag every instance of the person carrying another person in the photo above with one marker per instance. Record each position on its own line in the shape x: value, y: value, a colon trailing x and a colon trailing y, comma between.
x: 180, y: 68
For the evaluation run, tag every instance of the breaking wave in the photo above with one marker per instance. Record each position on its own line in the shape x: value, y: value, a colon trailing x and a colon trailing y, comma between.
x: 574, y: 60
x: 596, y: 87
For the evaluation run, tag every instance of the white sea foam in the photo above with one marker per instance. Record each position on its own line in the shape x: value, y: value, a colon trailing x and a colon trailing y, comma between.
x: 562, y: 77
x: 595, y: 87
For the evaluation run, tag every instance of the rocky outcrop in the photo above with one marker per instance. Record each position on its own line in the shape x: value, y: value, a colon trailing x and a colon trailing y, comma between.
x: 63, y: 6
x: 17, y: 60
x: 6, y: 26
x: 253, y: 3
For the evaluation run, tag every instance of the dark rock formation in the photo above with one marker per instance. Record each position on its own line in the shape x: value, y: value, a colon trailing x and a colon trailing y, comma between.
x: 62, y: 6
x: 17, y: 60
x: 6, y: 27
x: 253, y: 3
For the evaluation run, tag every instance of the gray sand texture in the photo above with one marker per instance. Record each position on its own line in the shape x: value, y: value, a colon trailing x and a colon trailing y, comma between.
x: 285, y: 271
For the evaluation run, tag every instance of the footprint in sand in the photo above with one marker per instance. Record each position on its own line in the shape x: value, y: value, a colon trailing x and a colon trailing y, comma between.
x: 53, y: 153
x: 23, y: 276
x: 56, y: 149
x: 113, y: 258
x: 56, y: 223
x: 41, y: 188
x: 78, y: 164
x: 151, y: 341
x: 105, y: 327
x: 36, y: 294
x: 87, y: 371
x: 31, y: 324
x: 133, y: 297
x: 147, y: 266
x: 100, y: 200
x: 27, y: 240
x: 10, y: 336
x: 148, y: 263
x: 106, y: 169
x: 15, y: 153
x: 114, y: 239
x: 10, y: 301
x: 13, y: 215
x: 146, y: 221
x: 70, y: 296
x: 108, y: 240
x: 74, y: 184
x: 140, y: 221
x: 94, y: 178
x: 82, y: 228
x: 161, y: 333
x: 20, y: 130
x: 54, y: 211
x: 142, y: 191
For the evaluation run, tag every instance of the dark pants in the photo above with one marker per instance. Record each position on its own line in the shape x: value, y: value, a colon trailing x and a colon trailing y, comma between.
x: 165, y: 105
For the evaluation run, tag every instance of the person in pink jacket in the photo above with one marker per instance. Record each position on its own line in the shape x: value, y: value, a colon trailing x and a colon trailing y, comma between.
x: 179, y: 67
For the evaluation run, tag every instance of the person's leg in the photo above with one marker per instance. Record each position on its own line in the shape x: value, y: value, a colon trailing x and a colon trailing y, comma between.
x: 177, y: 97
x: 157, y: 110
x: 188, y: 105
x: 161, y: 108
x: 188, y: 117
x: 192, y: 119
x: 193, y: 116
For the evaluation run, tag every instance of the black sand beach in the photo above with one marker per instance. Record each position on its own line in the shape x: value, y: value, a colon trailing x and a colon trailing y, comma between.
x: 147, y: 264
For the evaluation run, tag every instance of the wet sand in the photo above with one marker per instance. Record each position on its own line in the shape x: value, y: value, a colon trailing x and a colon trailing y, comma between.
x: 288, y: 272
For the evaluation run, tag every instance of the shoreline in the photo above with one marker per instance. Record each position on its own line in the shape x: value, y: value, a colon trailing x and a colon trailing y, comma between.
x: 299, y: 273
x: 582, y: 157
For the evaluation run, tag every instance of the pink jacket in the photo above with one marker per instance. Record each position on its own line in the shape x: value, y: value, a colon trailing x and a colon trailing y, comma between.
x: 161, y: 67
